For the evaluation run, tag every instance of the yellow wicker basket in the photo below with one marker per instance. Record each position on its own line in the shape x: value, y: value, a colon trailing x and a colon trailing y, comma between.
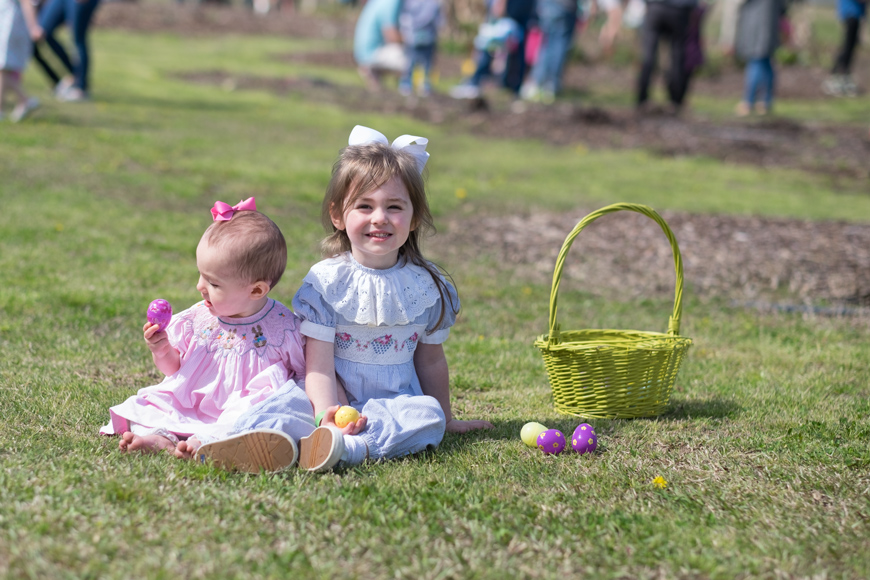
x: 613, y: 374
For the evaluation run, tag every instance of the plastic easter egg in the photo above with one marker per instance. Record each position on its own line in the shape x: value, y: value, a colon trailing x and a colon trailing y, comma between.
x: 529, y: 433
x: 584, y: 439
x: 551, y: 442
x: 345, y: 416
x: 159, y: 313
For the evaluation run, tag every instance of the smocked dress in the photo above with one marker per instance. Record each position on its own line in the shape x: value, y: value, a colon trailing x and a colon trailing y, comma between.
x: 227, y: 367
x: 376, y: 319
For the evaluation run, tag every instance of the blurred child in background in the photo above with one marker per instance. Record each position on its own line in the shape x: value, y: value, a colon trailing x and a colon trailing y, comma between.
x: 419, y: 21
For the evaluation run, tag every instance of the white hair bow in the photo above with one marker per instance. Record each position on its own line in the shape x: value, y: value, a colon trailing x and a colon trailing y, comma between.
x: 416, y: 146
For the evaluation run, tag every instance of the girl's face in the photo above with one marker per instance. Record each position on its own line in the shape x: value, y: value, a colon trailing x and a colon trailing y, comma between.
x: 378, y: 224
x: 224, y: 294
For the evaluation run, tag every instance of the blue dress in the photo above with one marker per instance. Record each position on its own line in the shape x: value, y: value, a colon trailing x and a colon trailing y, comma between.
x: 376, y: 319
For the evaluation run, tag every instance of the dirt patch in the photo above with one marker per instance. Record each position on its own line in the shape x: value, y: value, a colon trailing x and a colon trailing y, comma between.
x: 746, y: 259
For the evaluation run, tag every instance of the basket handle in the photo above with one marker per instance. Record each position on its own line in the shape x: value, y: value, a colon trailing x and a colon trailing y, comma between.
x: 674, y: 321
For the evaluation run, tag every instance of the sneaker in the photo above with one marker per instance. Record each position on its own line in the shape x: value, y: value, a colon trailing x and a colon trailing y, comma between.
x: 24, y: 109
x: 63, y: 86
x: 465, y: 92
x: 833, y: 86
x: 405, y: 90
x: 74, y: 95
x: 252, y: 451
x: 850, y: 88
x: 322, y: 450
x: 762, y: 109
x: 743, y: 109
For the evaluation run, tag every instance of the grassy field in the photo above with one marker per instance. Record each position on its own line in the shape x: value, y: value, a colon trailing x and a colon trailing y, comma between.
x: 764, y: 447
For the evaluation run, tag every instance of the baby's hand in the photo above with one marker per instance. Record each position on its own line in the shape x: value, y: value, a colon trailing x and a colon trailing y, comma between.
x: 457, y: 426
x: 354, y: 428
x: 158, y: 342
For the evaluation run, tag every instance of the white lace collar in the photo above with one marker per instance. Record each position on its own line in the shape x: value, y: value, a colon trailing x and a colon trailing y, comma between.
x: 391, y: 297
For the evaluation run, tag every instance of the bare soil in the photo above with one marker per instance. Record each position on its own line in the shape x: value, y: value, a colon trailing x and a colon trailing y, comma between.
x: 747, y: 259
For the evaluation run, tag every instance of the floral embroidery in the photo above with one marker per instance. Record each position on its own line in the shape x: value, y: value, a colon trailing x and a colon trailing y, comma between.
x: 380, y: 344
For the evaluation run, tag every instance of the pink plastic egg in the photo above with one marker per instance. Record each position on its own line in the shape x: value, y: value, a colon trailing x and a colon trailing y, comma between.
x: 584, y: 439
x: 551, y: 442
x: 159, y: 313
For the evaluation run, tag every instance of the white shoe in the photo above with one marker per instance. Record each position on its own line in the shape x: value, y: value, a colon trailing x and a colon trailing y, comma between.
x: 465, y: 92
x: 24, y: 109
x: 63, y: 86
x: 252, y: 451
x: 322, y: 450
x: 74, y: 95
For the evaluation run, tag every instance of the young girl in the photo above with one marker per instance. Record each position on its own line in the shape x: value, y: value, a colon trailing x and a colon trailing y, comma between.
x: 375, y: 316
x: 224, y: 354
x: 758, y: 37
x: 17, y: 27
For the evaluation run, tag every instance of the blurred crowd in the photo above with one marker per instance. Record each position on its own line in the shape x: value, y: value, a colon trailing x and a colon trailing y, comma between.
x: 524, y: 45
x: 521, y: 46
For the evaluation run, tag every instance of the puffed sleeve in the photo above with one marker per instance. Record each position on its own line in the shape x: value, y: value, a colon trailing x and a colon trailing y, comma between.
x: 180, y: 331
x: 318, y: 318
x: 451, y: 308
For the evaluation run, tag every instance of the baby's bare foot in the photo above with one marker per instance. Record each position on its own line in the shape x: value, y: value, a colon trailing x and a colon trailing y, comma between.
x: 187, y: 449
x: 144, y: 444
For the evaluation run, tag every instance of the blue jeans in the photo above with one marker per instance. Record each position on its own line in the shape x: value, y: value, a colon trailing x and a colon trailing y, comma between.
x: 759, y: 77
x: 78, y: 16
x: 419, y: 56
x: 558, y: 31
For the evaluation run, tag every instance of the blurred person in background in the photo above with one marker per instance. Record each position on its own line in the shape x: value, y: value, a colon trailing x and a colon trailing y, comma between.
x: 18, y: 27
x: 759, y: 31
x: 841, y: 83
x: 377, y: 43
x: 77, y: 14
x: 665, y: 19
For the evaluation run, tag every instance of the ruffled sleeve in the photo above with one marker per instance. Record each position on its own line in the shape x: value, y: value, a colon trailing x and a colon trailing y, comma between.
x: 318, y: 317
x: 451, y: 307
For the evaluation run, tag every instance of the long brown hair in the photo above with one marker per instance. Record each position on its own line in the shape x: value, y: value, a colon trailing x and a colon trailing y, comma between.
x: 361, y: 169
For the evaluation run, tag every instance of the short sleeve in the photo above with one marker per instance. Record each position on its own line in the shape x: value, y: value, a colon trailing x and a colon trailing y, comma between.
x: 180, y: 331
x: 318, y: 318
x: 451, y: 308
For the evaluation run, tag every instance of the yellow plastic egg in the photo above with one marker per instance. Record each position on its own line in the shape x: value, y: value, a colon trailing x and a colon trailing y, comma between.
x: 345, y: 416
x: 529, y: 433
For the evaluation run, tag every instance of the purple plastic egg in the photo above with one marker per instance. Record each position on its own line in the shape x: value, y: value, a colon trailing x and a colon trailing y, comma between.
x: 584, y: 439
x: 159, y: 313
x: 551, y: 442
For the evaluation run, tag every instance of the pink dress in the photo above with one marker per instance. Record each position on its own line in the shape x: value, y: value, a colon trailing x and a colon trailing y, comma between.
x: 227, y: 367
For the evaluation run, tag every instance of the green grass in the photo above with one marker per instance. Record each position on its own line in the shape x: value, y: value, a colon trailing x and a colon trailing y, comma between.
x: 764, y: 446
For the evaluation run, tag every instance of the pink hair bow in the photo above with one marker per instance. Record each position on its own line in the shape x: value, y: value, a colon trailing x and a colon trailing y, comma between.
x: 223, y: 212
x: 416, y: 146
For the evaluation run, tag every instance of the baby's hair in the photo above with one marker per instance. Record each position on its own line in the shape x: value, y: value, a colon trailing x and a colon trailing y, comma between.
x: 361, y: 169
x: 253, y: 245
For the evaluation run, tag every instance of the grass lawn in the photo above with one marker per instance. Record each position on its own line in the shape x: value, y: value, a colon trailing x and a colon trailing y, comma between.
x: 764, y: 446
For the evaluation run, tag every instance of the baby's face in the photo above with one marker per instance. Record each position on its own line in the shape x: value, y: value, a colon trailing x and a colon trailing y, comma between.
x: 224, y: 293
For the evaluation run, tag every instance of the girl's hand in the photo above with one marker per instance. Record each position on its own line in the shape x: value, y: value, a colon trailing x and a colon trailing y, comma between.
x: 354, y: 428
x: 457, y: 426
x: 158, y: 342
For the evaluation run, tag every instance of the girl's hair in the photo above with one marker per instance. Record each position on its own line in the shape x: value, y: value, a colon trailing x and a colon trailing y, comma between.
x: 361, y: 169
x: 252, y: 244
